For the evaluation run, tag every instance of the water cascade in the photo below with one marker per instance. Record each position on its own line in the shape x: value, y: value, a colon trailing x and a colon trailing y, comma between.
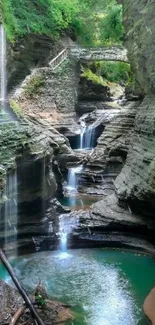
x: 11, y: 212
x: 89, y: 138
x: 6, y: 112
x: 72, y: 177
x: 83, y: 129
x: 66, y: 225
x: 3, y: 67
x: 86, y: 136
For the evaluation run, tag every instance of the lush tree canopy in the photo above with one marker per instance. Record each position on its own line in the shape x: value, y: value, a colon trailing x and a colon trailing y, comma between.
x: 91, y: 22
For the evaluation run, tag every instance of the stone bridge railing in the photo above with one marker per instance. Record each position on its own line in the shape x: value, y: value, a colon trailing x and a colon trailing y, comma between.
x: 99, y: 54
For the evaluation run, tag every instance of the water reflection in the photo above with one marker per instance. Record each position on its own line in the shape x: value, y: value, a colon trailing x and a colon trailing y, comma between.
x: 79, y: 201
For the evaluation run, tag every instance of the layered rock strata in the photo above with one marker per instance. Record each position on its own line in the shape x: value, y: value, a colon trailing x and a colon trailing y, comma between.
x: 29, y: 178
x: 136, y: 184
x: 105, y: 162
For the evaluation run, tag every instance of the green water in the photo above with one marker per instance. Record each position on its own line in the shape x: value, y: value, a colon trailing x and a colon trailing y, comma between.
x: 79, y: 201
x: 105, y: 287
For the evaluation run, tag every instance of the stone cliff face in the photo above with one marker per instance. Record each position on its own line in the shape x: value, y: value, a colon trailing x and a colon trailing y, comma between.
x: 29, y: 178
x: 136, y: 182
x: 108, y: 158
x: 139, y: 40
x: 32, y: 51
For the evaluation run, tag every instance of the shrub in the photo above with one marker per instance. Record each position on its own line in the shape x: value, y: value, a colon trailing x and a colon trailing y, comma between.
x: 118, y: 72
x: 16, y: 108
x: 87, y: 73
x: 34, y: 84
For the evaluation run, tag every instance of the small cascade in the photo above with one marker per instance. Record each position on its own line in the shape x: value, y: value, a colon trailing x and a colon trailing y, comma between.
x: 11, y: 212
x: 66, y: 225
x: 43, y: 188
x: 3, y: 67
x: 72, y: 177
x: 89, y: 138
x: 63, y: 232
x: 83, y: 129
x: 86, y: 136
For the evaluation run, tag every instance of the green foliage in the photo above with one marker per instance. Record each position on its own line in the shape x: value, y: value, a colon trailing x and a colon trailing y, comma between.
x: 118, y: 72
x: 16, y: 108
x: 41, y: 302
x: 34, y: 84
x: 87, y: 73
x: 90, y: 22
x: 48, y: 17
x: 111, y: 27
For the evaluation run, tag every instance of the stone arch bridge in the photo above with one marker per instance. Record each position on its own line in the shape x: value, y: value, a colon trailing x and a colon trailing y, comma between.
x: 99, y: 54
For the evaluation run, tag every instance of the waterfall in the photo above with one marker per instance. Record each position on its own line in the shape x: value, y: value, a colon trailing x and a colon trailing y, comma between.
x: 44, y: 194
x: 72, y: 177
x: 83, y: 129
x: 86, y: 136
x: 89, y: 137
x: 66, y: 225
x: 11, y: 212
x: 3, y: 66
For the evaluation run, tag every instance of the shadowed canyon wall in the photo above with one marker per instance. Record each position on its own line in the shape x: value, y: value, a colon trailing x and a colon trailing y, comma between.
x: 136, y: 182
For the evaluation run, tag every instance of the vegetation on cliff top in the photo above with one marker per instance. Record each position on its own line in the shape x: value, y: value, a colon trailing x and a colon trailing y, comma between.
x: 90, y: 22
x: 104, y: 72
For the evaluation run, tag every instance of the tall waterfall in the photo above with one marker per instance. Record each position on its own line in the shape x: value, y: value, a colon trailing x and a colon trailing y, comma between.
x: 72, y: 177
x: 11, y: 212
x: 3, y: 66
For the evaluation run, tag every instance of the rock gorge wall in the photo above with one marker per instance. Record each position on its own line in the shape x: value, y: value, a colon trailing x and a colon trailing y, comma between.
x: 29, y: 152
x: 49, y: 91
x: 136, y: 182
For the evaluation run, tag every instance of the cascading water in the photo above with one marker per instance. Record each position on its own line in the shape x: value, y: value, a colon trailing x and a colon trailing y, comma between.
x: 43, y: 188
x: 66, y: 226
x: 83, y: 129
x: 72, y: 177
x: 11, y: 212
x: 86, y: 136
x: 7, y: 114
x: 89, y: 137
x: 3, y: 67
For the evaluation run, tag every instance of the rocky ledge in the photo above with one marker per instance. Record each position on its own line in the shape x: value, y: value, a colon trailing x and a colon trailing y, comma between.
x: 105, y: 162
x: 12, y: 305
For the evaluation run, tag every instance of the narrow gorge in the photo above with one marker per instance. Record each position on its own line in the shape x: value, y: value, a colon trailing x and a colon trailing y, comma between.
x: 77, y: 158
